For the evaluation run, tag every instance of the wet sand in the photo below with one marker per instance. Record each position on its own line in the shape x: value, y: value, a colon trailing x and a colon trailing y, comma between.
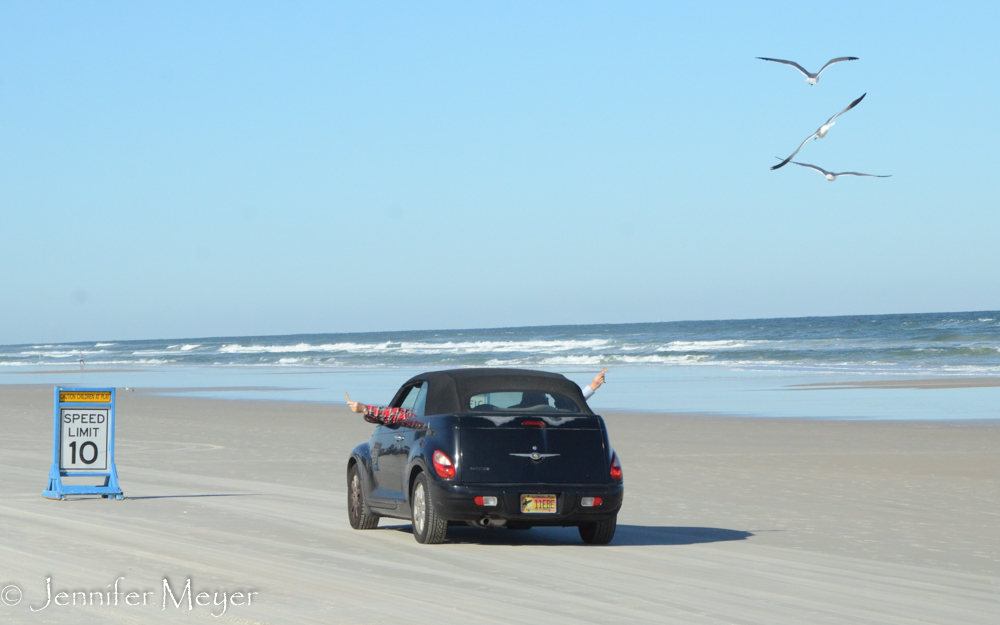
x: 922, y: 383
x: 726, y: 520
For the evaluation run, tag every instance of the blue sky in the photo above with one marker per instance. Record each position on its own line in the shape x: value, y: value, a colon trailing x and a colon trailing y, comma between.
x: 212, y: 169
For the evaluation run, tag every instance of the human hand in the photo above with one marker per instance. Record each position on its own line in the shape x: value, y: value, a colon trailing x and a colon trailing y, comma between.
x: 598, y: 380
x: 355, y: 406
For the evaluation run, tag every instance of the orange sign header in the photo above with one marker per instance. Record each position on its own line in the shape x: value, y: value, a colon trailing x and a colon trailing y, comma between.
x: 77, y: 397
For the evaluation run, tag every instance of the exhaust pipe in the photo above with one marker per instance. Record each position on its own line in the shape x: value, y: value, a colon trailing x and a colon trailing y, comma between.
x: 488, y: 522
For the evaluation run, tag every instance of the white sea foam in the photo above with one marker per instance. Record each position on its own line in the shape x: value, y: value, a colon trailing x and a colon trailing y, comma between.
x: 76, y: 353
x: 583, y: 360
x: 703, y: 346
x: 140, y: 361
x: 91, y: 363
x: 405, y: 347
x: 279, y: 349
x: 572, y: 360
x: 687, y: 359
x: 104, y: 344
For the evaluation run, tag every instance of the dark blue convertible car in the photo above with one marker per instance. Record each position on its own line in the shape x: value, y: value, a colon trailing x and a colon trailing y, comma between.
x: 491, y: 448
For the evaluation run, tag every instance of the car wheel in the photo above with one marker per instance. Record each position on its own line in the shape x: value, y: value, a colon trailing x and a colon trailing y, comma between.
x: 599, y: 533
x: 428, y: 527
x: 358, y: 512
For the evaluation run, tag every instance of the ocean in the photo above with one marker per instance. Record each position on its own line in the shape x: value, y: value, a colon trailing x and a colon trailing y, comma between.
x: 742, y: 367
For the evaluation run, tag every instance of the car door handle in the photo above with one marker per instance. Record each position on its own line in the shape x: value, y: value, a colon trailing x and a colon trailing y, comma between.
x: 400, y: 437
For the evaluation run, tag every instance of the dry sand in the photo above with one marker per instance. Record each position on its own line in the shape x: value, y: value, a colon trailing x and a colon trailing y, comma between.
x: 725, y: 521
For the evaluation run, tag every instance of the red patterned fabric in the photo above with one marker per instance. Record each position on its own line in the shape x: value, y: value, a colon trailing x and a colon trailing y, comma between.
x: 382, y: 414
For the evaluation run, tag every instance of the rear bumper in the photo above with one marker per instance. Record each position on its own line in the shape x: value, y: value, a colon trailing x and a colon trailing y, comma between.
x: 456, y: 502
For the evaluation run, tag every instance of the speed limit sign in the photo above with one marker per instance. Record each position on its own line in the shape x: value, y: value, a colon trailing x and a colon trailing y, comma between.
x: 84, y: 439
x: 84, y: 444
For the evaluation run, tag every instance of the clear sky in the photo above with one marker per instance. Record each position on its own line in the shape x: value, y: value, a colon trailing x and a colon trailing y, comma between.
x: 211, y: 169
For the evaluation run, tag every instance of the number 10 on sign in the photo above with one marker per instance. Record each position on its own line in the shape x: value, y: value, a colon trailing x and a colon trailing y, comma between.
x: 84, y: 439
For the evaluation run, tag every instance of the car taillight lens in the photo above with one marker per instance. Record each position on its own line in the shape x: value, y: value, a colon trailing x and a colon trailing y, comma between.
x: 591, y: 502
x: 486, y: 501
x: 443, y: 465
x: 616, y: 467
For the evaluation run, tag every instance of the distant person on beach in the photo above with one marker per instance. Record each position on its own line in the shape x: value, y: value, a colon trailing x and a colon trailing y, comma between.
x: 386, y: 415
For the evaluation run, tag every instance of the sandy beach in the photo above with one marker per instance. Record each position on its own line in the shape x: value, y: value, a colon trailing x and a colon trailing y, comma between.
x: 726, y: 520
x: 921, y: 384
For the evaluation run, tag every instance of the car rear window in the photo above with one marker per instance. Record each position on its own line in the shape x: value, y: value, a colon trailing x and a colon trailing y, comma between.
x: 522, y: 401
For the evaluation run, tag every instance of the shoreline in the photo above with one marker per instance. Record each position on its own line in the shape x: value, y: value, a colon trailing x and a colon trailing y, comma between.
x: 191, y: 393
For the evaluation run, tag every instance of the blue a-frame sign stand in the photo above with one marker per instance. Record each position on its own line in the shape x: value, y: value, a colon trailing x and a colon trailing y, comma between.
x: 83, y: 442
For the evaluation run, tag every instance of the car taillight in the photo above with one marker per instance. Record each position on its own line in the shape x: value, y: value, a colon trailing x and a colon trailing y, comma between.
x: 591, y: 502
x: 616, y: 467
x: 540, y: 424
x: 444, y: 467
x: 486, y: 501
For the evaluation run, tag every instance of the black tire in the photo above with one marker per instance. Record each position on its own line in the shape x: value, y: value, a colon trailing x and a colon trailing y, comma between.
x: 358, y: 512
x: 428, y: 527
x: 600, y: 532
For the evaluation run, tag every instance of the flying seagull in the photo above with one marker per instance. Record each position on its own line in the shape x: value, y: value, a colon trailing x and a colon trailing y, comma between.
x: 812, y: 79
x: 819, y: 134
x: 829, y: 175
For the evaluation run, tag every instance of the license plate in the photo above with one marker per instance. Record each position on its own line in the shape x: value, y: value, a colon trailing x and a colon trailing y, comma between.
x: 538, y: 504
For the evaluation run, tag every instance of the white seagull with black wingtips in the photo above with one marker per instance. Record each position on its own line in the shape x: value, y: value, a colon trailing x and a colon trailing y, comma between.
x: 831, y: 176
x: 812, y: 79
x: 821, y: 132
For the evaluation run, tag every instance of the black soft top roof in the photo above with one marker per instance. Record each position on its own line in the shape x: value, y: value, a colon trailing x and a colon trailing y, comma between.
x: 448, y: 392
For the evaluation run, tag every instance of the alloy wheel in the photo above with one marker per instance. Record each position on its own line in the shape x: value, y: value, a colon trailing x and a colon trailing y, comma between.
x: 419, y: 509
x: 355, y: 496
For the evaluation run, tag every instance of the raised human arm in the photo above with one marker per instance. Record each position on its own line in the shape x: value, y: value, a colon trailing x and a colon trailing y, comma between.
x: 598, y: 381
x: 379, y: 414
